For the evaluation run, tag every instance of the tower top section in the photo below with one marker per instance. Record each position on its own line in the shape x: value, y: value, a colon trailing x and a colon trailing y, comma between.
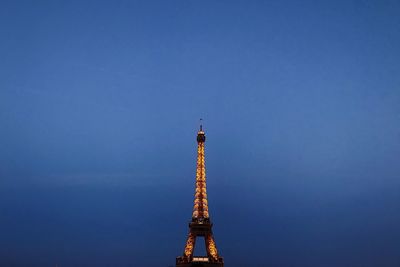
x: 201, y: 137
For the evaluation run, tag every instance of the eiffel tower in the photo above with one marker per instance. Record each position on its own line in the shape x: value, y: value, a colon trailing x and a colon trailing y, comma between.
x: 200, y: 225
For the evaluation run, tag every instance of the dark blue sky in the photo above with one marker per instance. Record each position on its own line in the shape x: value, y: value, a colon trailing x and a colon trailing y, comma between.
x: 99, y: 108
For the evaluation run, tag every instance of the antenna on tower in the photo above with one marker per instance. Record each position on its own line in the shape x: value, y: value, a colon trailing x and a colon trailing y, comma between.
x: 201, y: 124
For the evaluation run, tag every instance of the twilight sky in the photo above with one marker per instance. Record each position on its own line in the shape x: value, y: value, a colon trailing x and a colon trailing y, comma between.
x: 99, y: 109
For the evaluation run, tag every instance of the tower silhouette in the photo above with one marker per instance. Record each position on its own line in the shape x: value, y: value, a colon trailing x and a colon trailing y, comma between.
x: 200, y: 225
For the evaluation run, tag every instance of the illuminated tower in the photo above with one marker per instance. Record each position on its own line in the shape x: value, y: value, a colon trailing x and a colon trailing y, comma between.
x: 200, y: 225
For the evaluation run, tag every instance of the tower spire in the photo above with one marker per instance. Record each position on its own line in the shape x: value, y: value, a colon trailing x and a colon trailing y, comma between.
x: 200, y: 208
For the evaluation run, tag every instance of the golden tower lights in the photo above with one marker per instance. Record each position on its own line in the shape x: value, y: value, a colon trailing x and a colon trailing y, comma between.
x: 200, y: 225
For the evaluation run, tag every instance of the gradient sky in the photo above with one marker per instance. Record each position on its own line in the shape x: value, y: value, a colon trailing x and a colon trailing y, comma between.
x: 99, y: 108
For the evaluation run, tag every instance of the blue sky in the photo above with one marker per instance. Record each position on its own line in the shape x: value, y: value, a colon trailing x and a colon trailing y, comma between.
x: 99, y: 107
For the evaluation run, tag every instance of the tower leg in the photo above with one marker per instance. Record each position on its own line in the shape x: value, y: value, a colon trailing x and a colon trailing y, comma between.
x: 190, y: 243
x: 211, y: 247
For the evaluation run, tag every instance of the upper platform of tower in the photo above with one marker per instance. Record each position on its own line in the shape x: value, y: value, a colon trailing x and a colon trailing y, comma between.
x: 201, y: 137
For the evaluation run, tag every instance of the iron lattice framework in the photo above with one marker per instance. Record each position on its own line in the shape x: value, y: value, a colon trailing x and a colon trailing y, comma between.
x: 200, y: 225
